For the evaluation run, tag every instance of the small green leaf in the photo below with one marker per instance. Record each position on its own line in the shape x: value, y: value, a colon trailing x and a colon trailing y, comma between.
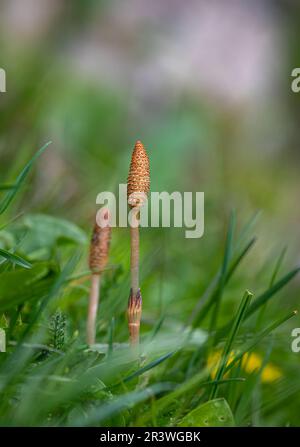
x: 15, y: 259
x: 214, y: 413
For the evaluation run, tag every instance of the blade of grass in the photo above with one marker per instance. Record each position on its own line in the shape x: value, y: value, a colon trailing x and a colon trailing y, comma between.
x: 200, y: 310
x: 218, y: 282
x: 233, y: 332
x: 251, y: 385
x: 20, y: 179
x: 111, y: 337
x: 232, y: 269
x: 222, y: 381
x: 206, y: 308
x: 172, y: 398
x: 15, y: 259
x: 260, y: 336
x: 272, y: 280
x: 145, y: 368
x: 277, y: 266
x: 239, y: 258
x: 248, y: 226
x: 19, y: 357
x: 11, y: 221
x: 262, y: 299
x: 7, y: 187
x: 157, y: 327
x: 227, y: 256
x: 102, y: 412
x: 54, y: 290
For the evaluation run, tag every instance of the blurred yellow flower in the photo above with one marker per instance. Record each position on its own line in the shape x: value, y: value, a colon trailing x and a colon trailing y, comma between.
x: 251, y: 362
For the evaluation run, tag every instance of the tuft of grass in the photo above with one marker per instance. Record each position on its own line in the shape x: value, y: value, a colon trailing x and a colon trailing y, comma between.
x: 107, y: 385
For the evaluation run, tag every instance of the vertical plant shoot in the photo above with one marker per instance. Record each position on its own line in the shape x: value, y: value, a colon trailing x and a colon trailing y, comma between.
x: 138, y: 186
x: 99, y: 251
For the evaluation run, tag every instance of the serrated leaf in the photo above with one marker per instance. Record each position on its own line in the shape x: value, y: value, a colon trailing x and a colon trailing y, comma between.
x: 214, y: 413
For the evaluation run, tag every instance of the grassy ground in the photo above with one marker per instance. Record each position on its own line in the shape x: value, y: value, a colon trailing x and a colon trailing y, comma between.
x: 213, y: 353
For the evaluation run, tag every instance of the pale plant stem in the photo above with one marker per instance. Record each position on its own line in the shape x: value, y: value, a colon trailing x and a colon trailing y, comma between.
x: 93, y: 307
x: 134, y: 334
x: 134, y: 260
x: 134, y: 305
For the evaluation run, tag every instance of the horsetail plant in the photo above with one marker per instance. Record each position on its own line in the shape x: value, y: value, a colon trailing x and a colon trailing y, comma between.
x: 138, y: 185
x: 99, y: 250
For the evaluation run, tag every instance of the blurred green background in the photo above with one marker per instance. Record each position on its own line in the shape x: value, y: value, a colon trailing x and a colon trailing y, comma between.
x: 205, y: 85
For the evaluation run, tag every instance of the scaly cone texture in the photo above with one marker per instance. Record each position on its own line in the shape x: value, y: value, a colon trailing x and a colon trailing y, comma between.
x: 99, y: 247
x: 138, y: 183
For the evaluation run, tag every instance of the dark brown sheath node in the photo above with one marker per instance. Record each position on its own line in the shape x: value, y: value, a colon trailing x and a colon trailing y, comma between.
x: 134, y: 313
x: 134, y: 310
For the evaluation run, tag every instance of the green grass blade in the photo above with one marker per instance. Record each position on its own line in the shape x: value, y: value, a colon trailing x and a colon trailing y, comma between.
x: 149, y: 366
x: 277, y: 266
x: 20, y: 179
x: 248, y: 226
x: 7, y: 187
x: 217, y: 284
x: 272, y: 281
x: 111, y: 337
x: 233, y: 332
x: 222, y: 281
x: 102, y: 412
x: 166, y: 401
x: 15, y: 259
x: 258, y: 339
x: 239, y: 258
x: 264, y: 297
x: 144, y: 369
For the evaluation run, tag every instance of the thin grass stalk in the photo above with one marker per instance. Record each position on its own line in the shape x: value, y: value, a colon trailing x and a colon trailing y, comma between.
x: 208, y: 298
x: 272, y: 281
x: 225, y: 265
x: 233, y: 332
x: 261, y: 300
x: 260, y: 336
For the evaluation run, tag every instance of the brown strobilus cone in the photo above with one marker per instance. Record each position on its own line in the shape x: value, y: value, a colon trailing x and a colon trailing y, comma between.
x: 138, y: 186
x: 99, y: 250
